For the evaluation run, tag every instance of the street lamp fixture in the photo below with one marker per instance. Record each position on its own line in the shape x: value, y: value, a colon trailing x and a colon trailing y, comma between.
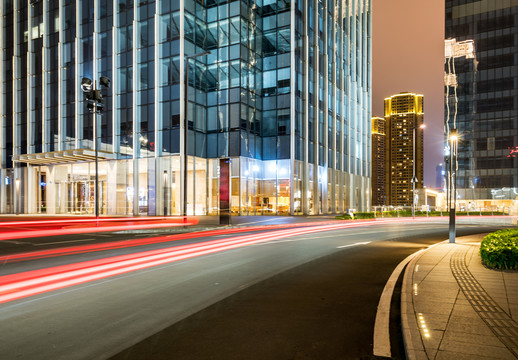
x: 95, y: 104
x: 453, y: 139
x: 186, y: 127
x: 414, y: 177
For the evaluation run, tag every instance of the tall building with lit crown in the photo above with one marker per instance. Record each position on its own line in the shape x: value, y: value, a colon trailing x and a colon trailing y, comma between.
x: 481, y: 89
x: 281, y: 88
x: 378, y: 161
x: 403, y: 115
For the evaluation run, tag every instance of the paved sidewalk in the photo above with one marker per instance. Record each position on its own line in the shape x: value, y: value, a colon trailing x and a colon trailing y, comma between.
x: 453, y: 307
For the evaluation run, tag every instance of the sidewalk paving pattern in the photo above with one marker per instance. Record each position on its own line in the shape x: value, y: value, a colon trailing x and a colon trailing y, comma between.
x: 453, y: 307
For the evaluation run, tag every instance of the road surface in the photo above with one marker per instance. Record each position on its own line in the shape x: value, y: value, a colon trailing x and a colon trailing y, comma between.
x: 306, y: 296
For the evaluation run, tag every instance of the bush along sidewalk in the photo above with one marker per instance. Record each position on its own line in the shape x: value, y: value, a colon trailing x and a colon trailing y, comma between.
x: 499, y: 250
x: 343, y: 217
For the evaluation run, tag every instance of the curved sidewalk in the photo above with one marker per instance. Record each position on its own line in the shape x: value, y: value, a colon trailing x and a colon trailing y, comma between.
x: 452, y: 307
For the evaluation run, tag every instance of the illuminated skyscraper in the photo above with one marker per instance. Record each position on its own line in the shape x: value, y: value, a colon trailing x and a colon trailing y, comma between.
x: 482, y: 97
x: 403, y: 115
x: 378, y: 161
x: 285, y: 93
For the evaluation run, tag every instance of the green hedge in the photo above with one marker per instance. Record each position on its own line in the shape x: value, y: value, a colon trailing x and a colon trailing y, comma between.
x: 499, y: 250
x: 343, y: 217
x: 364, y: 215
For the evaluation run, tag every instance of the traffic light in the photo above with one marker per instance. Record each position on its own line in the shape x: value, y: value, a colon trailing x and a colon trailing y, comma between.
x: 95, y: 95
x: 91, y: 106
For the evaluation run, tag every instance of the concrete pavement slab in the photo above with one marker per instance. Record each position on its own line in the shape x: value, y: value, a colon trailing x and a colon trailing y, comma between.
x: 459, y: 308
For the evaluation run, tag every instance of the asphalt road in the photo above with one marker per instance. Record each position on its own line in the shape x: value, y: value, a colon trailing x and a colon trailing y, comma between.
x: 312, y: 296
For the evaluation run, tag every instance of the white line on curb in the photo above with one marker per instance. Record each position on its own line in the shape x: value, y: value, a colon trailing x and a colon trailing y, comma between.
x: 381, y: 324
x: 381, y: 339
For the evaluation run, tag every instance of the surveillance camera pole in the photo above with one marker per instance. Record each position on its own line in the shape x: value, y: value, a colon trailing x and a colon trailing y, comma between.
x: 94, y: 97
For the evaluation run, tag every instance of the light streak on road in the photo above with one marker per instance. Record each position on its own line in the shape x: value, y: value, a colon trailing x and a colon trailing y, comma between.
x: 80, y: 249
x: 113, y: 245
x: 44, y: 228
x: 30, y: 283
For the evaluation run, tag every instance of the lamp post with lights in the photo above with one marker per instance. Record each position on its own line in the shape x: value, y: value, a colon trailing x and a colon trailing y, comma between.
x: 414, y: 178
x: 453, y: 139
x: 95, y: 104
x: 186, y: 127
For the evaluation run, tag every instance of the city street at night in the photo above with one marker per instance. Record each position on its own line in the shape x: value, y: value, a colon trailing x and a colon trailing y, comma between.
x: 302, y: 291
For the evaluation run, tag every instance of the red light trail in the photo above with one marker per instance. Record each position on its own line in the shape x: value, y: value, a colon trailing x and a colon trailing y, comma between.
x: 79, y: 249
x: 77, y: 226
x: 30, y: 283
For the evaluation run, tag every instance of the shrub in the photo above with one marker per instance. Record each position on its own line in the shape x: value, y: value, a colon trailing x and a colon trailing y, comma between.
x: 499, y: 250
x: 364, y: 215
x: 343, y: 217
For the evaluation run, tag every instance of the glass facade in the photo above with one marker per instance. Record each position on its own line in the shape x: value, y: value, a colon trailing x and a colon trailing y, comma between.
x: 284, y: 92
x: 482, y: 96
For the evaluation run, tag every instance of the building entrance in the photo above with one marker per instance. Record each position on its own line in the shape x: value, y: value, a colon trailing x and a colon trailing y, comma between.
x: 81, y: 196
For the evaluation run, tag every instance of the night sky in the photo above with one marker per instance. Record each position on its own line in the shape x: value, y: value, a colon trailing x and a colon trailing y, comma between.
x: 408, y: 55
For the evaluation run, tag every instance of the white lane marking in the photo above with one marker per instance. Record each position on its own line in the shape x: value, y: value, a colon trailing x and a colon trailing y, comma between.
x: 16, y: 242
x: 381, y: 343
x: 62, y: 242
x: 355, y: 244
x: 306, y: 237
x: 335, y: 236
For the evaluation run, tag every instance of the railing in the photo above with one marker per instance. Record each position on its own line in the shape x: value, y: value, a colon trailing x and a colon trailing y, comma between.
x: 429, y: 211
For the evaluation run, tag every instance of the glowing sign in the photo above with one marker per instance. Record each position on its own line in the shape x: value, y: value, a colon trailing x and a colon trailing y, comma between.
x: 454, y: 49
x: 450, y: 79
x: 7, y: 181
x: 513, y: 152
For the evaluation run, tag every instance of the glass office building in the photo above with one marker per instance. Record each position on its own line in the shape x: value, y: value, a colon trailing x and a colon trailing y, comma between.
x: 482, y: 97
x: 284, y: 92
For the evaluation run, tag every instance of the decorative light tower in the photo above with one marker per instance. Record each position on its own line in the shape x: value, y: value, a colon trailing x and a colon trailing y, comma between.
x: 454, y: 49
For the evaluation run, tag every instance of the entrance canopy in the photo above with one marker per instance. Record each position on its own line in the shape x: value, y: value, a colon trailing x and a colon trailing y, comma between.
x: 62, y: 157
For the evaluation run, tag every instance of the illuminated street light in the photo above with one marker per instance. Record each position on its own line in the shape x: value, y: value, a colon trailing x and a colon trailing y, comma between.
x: 453, y: 139
x: 414, y: 178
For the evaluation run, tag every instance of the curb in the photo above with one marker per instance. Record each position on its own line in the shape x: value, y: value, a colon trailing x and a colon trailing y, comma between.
x: 410, y: 330
x: 414, y: 347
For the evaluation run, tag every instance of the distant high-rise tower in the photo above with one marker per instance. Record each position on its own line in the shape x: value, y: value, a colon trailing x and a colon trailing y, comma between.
x: 403, y: 116
x: 378, y: 161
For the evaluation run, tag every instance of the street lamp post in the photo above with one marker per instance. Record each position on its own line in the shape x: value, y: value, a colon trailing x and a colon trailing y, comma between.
x: 95, y: 105
x: 414, y: 178
x: 453, y: 138
x: 186, y: 127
